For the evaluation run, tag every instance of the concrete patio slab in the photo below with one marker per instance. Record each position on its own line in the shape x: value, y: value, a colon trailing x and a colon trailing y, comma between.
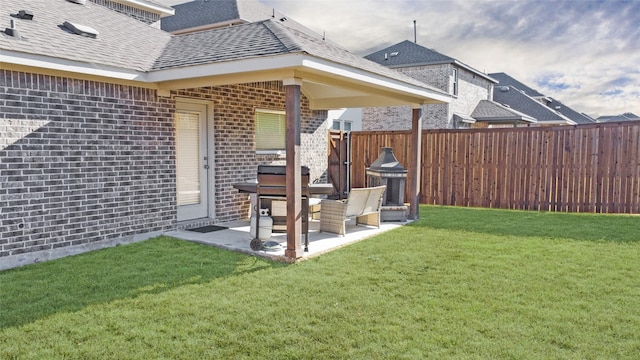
x: 237, y: 238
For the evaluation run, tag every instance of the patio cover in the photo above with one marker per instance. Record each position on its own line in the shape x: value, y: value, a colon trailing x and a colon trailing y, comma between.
x: 329, y: 76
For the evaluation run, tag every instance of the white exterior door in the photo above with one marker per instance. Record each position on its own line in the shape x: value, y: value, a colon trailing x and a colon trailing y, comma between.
x: 192, y: 175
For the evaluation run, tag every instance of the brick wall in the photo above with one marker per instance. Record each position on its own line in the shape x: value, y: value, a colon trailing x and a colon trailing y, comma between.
x: 471, y: 89
x: 85, y: 164
x: 82, y: 164
x: 234, y: 128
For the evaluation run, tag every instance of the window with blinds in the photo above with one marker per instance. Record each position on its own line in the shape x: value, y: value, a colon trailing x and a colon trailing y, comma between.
x: 270, y: 130
x: 187, y: 157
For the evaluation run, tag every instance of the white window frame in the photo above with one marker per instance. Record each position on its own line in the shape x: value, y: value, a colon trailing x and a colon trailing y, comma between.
x: 262, y: 151
x: 342, y: 124
x: 454, y: 76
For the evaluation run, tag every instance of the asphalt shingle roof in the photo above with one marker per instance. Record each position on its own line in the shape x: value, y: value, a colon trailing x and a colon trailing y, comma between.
x: 622, y: 117
x: 199, y: 13
x: 487, y: 110
x: 127, y: 43
x: 553, y: 104
x: 264, y: 38
x: 569, y: 112
x: 208, y: 14
x: 122, y: 42
x: 516, y: 99
x: 506, y: 80
x: 408, y: 53
x: 224, y: 44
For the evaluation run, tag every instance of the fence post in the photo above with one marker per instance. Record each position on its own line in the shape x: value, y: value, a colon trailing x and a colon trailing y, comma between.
x: 415, y: 156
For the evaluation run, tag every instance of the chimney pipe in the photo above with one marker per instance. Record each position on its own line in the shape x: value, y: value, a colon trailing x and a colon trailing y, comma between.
x: 12, y: 30
x: 415, y: 35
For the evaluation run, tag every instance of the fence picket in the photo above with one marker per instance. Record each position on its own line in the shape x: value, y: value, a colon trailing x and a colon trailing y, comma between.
x: 586, y: 168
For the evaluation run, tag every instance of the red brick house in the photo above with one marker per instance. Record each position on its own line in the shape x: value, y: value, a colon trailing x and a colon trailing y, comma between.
x: 113, y: 131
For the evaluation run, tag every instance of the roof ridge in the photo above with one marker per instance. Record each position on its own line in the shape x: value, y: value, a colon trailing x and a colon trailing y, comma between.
x: 281, y: 33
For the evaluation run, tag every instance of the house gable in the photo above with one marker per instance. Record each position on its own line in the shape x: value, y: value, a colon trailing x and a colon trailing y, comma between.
x: 438, y: 70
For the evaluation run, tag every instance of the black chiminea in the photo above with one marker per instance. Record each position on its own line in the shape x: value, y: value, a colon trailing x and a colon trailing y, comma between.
x: 386, y: 170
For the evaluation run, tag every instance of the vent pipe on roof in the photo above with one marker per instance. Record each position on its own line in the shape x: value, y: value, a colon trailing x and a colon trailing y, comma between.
x: 81, y: 2
x: 81, y: 29
x: 25, y: 15
x: 12, y: 30
x: 415, y: 33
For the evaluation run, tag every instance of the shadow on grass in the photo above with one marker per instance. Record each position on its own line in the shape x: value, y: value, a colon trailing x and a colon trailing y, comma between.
x: 585, y: 227
x: 37, y: 291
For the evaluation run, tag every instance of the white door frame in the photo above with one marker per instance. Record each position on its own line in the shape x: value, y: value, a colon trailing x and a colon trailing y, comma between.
x: 207, y: 167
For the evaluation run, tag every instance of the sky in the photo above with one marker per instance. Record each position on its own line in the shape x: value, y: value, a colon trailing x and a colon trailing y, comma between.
x: 583, y: 53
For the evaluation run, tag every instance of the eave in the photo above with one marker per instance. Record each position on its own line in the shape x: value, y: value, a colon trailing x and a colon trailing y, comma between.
x: 42, y: 64
x: 327, y: 85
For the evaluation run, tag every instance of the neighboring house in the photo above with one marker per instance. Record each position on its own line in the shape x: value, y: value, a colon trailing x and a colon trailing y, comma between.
x: 346, y: 119
x: 466, y: 85
x: 112, y: 130
x: 518, y: 100
x: 490, y: 112
x: 553, y: 111
x: 622, y: 117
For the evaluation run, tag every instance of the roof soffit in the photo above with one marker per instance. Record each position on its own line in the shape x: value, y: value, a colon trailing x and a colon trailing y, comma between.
x: 326, y: 84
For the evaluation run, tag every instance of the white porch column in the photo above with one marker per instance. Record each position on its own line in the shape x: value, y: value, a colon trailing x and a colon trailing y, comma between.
x: 294, y: 175
x: 415, y: 157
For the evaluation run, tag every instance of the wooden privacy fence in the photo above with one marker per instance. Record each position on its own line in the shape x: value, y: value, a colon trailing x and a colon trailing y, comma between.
x: 586, y: 168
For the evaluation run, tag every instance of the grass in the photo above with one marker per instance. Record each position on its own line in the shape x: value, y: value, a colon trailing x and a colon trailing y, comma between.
x: 459, y: 283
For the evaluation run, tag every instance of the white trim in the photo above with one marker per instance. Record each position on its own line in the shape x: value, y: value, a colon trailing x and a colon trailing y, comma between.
x: 210, y: 149
x: 148, y: 6
x: 267, y: 151
x: 292, y: 81
x: 289, y: 63
x: 270, y: 111
x: 267, y: 63
x: 295, y: 62
x: 52, y: 63
x: 374, y: 79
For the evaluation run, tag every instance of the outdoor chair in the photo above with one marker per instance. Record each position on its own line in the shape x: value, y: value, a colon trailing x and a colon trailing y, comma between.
x: 363, y: 204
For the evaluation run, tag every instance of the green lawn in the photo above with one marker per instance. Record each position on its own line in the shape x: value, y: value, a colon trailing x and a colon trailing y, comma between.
x: 459, y: 283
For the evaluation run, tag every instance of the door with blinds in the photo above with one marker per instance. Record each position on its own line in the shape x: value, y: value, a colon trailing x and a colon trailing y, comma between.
x: 191, y: 160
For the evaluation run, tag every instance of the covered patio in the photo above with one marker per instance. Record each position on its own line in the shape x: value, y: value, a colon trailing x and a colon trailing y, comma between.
x: 236, y: 237
x: 328, y: 76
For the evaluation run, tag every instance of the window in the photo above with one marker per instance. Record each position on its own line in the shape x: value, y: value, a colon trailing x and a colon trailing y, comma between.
x: 270, y: 131
x: 454, y: 77
x: 187, y: 156
x: 344, y: 125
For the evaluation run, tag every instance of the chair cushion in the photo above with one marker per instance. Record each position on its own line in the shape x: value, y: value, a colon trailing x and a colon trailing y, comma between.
x: 356, y: 201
